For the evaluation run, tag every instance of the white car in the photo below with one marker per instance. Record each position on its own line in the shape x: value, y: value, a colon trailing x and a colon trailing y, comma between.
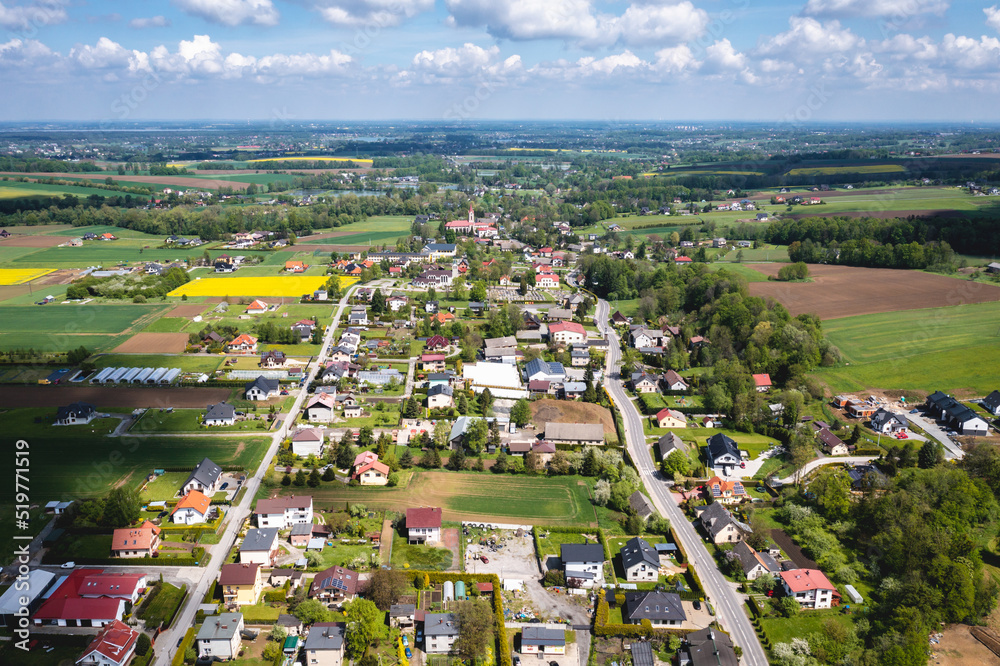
x: 67, y: 565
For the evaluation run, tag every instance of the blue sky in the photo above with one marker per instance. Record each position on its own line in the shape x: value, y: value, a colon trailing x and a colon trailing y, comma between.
x: 760, y: 60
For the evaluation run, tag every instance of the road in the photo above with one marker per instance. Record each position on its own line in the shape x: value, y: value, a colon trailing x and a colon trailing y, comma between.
x: 827, y: 460
x: 952, y: 451
x: 727, y: 602
x: 167, y: 642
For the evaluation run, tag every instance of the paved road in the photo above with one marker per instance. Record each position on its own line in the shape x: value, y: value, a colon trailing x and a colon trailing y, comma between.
x: 727, y: 602
x: 167, y: 643
x: 828, y: 460
x: 952, y: 451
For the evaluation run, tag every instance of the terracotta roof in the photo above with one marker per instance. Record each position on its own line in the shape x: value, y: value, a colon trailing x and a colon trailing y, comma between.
x: 116, y: 641
x: 423, y: 517
x: 364, y: 457
x: 571, y: 326
x: 196, y: 500
x: 134, y: 538
x: 243, y: 339
x: 762, y: 379
x: 804, y: 580
x: 375, y: 465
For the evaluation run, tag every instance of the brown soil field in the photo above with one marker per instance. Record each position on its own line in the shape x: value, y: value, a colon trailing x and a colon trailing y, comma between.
x: 34, y: 229
x: 33, y: 241
x: 187, y: 310
x: 327, y: 248
x: 32, y: 395
x: 882, y: 214
x: 153, y: 343
x: 845, y: 291
x: 61, y: 276
x: 176, y: 181
x: 959, y: 647
x: 560, y: 411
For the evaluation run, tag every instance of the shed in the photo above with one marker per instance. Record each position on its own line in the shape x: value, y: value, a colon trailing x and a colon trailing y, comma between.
x: 853, y: 594
x: 316, y: 544
x: 460, y: 590
x: 449, y: 591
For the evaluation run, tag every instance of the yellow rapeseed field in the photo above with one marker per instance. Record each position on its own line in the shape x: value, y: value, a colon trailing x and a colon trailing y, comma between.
x: 10, y: 276
x: 302, y: 158
x: 264, y: 287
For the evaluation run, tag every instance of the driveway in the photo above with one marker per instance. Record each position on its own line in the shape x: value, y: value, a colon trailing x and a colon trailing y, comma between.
x: 952, y: 451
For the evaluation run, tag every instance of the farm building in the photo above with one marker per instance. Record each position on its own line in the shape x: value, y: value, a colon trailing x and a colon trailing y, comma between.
x: 578, y: 434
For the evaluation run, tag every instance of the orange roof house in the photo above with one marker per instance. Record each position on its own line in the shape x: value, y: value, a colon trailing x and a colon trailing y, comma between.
x: 139, y: 541
x: 257, y: 307
x: 443, y: 317
x: 762, y: 382
x: 295, y: 266
x: 194, y: 502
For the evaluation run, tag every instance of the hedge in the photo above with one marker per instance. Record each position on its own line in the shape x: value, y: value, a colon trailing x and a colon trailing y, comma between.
x: 867, y: 452
x: 275, y: 596
x: 186, y: 642
x: 602, y: 628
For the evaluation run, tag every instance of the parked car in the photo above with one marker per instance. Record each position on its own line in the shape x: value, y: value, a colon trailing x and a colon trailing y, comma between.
x: 409, y: 653
x: 743, y: 465
x: 696, y: 604
x: 224, y: 486
x: 406, y: 641
x: 67, y: 565
x: 485, y: 559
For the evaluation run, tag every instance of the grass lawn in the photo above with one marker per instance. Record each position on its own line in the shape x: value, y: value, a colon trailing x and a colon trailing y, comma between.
x: 187, y: 420
x: 343, y: 555
x: 80, y: 546
x: 187, y: 363
x: 747, y: 272
x: 163, y: 607
x: 167, y: 325
x: 164, y: 487
x: 950, y: 349
x: 65, y: 651
x: 754, y: 444
x: 475, y: 496
x: 378, y: 230
x: 405, y: 556
x: 550, y: 544
x: 783, y: 630
x: 259, y: 614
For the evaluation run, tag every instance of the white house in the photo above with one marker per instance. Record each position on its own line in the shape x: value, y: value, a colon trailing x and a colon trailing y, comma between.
x: 220, y: 414
x: 282, y: 512
x: 192, y: 509
x: 262, y: 388
x: 205, y: 477
x: 640, y: 561
x: 114, y: 645
x: 320, y: 408
x: 219, y: 636
x: 440, y: 632
x: 423, y: 525
x: 810, y: 587
x: 260, y: 546
x: 567, y: 332
x: 307, y: 441
x: 584, y: 563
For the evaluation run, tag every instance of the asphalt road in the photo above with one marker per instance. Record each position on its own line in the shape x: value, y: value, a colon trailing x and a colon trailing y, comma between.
x: 827, y: 460
x: 727, y: 602
x: 166, y: 644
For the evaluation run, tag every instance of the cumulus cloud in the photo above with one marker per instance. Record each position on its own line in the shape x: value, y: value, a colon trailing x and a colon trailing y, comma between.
x: 34, y: 15
x: 676, y: 59
x: 231, y: 12
x: 652, y: 23
x: 993, y: 17
x: 895, y: 9
x: 151, y: 22
x: 25, y: 52
x: 379, y: 13
x: 808, y: 37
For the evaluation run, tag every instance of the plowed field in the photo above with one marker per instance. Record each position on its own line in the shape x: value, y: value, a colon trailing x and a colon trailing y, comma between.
x: 153, y: 343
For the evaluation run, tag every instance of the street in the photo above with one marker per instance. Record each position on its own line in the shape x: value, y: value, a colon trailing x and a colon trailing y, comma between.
x: 727, y: 602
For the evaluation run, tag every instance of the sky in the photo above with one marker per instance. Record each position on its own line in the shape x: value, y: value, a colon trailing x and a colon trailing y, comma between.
x: 778, y: 61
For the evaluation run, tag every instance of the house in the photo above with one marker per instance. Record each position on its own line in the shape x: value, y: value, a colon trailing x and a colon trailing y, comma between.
x: 243, y: 343
x: 860, y: 409
x: 440, y: 632
x: 320, y: 407
x: 662, y: 609
x: 370, y: 471
x: 114, y: 645
x: 583, y: 564
x: 295, y: 267
x: 640, y: 561
x: 281, y: 512
x: 397, y: 303
x: 567, y: 332
x: 726, y: 492
x: 755, y: 564
x: 643, y: 383
x: 810, y: 587
x: 325, y: 644
x: 439, y: 397
x: 299, y: 536
x: 432, y: 362
x: 708, y: 647
x: 334, y: 585
x: 542, y: 641
x: 291, y: 624
x: 579, y: 358
x: 219, y: 636
x: 78, y: 413
x: 576, y: 434
x: 721, y: 526
x: 954, y: 413
x: 865, y: 477
x: 670, y: 444
x: 573, y: 390
x: 558, y: 314
x: 140, y: 541
x: 192, y: 509
x: 670, y: 418
x: 423, y: 525
x: 762, y: 382
x: 673, y: 382
x: 273, y: 359
x: 885, y: 422
x: 278, y: 577
x: 547, y: 281
x: 539, y: 370
x: 257, y: 307
x: 307, y: 442
x: 220, y: 414
x: 402, y: 615
x: 991, y: 403
x: 241, y: 584
x: 89, y: 598
x: 205, y: 478
x: 436, y: 342
x: 723, y: 453
x: 261, y: 388
x: 353, y: 411
x: 645, y: 337
x: 430, y: 307
x: 833, y: 445
x: 618, y: 319
x: 260, y: 546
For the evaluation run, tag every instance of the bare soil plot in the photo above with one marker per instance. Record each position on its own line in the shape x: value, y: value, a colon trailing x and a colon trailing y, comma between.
x: 106, y: 396
x: 845, y: 291
x: 61, y: 276
x: 34, y: 241
x: 326, y: 248
x: 153, y: 343
x: 558, y: 411
x: 958, y: 647
x: 792, y: 549
x: 187, y: 310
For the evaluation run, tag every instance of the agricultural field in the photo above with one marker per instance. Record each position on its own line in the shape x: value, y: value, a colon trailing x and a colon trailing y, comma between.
x: 746, y: 271
x: 56, y: 327
x: 764, y: 254
x: 834, y: 170
x: 164, y: 343
x: 186, y: 362
x: 15, y: 190
x: 305, y: 158
x: 105, y: 253
x: 476, y: 496
x: 845, y: 291
x: 279, y: 286
x: 375, y: 230
x: 954, y: 349
x: 892, y: 202
x: 9, y: 276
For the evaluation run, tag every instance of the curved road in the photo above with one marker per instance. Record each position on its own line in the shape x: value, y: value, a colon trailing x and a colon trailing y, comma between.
x: 166, y: 644
x: 727, y: 602
x: 826, y: 460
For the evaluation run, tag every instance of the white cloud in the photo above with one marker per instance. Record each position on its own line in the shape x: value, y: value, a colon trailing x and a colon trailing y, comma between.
x: 725, y: 56
x: 24, y: 52
x: 528, y: 19
x: 104, y: 54
x: 970, y: 54
x: 676, y: 59
x: 34, y: 15
x: 652, y: 24
x: 231, y: 12
x: 451, y: 61
x: 808, y: 37
x: 897, y: 10
x: 376, y: 13
x: 993, y: 17
x: 151, y: 22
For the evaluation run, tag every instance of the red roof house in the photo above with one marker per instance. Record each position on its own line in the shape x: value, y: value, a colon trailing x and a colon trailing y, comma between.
x: 762, y: 382
x: 114, y: 645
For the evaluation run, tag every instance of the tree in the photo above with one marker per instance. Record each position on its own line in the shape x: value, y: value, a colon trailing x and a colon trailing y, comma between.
x: 475, y: 629
x: 272, y: 652
x: 634, y: 524
x: 760, y: 534
x: 456, y: 462
x: 520, y: 413
x: 278, y: 634
x: 328, y: 475
x: 286, y: 480
x: 122, y: 508
x: 500, y: 465
x: 363, y: 626
x: 314, y: 478
x: 406, y: 459
x: 300, y: 478
x: 478, y: 292
x: 345, y: 455
x: 384, y: 587
x: 142, y: 644
x: 787, y: 606
x: 463, y: 404
x: 442, y: 431
x: 602, y: 492
x: 485, y: 401
x: 431, y: 459
x: 311, y: 611
x: 475, y: 435
x: 930, y: 455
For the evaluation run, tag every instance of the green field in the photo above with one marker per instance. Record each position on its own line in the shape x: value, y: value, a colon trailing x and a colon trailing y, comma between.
x: 13, y: 190
x: 57, y: 327
x: 377, y: 230
x: 949, y: 349
x: 187, y: 420
x: 472, y: 496
x: 747, y: 272
x: 833, y: 170
x: 167, y: 325
x: 187, y: 363
x: 99, y: 229
x: 103, y: 253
